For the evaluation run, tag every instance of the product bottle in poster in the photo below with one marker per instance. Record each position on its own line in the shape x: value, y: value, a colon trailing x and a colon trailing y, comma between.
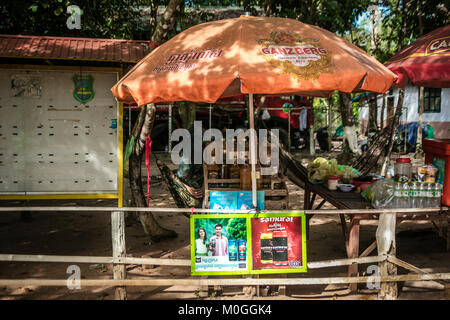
x: 280, y: 248
x: 242, y: 250
x: 232, y: 250
x: 266, y: 248
x: 212, y: 244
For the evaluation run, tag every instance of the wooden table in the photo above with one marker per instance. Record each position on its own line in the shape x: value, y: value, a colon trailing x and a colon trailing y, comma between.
x: 352, y: 200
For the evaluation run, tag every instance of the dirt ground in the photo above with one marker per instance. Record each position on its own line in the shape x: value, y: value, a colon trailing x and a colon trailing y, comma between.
x: 89, y: 234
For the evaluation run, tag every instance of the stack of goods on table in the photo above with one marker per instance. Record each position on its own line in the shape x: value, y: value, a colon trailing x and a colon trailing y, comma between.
x: 402, y: 187
x: 224, y: 178
x: 406, y: 187
x: 332, y: 175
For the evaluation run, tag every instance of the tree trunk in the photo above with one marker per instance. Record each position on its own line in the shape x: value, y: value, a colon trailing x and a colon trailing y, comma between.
x: 373, y: 119
x: 166, y: 21
x: 346, y: 108
x: 187, y: 114
x: 393, y: 127
x: 419, y: 127
x: 330, y: 122
x: 383, y: 108
x: 142, y: 128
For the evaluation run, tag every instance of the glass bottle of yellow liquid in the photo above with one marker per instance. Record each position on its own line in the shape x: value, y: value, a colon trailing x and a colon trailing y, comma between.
x: 234, y: 173
x: 259, y: 179
x: 213, y: 171
x: 246, y: 177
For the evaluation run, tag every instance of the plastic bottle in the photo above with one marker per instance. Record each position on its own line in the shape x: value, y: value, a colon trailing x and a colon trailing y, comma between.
x: 421, y: 196
x: 390, y: 190
x: 413, y: 195
x: 397, y: 195
x: 437, y: 195
x: 429, y: 195
x: 405, y: 195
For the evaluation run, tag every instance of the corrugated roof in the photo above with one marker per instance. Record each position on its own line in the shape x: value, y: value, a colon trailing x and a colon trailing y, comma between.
x: 48, y: 47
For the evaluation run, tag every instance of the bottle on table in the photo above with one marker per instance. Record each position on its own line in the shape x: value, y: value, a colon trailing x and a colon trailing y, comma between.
x: 437, y: 193
x: 429, y: 195
x: 246, y: 178
x: 405, y: 195
x: 421, y: 195
x: 397, y: 195
x: 413, y: 195
x: 402, y: 169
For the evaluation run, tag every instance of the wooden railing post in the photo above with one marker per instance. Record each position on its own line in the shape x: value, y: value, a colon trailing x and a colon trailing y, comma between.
x: 119, y: 250
x: 386, y: 245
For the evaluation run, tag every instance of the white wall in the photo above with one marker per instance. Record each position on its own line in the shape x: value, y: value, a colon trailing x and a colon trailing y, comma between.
x: 50, y: 142
x: 411, y: 102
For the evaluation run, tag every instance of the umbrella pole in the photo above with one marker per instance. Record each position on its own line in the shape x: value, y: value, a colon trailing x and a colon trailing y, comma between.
x: 252, y: 149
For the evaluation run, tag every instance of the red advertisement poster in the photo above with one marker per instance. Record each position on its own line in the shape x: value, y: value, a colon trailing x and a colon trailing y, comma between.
x: 277, y: 242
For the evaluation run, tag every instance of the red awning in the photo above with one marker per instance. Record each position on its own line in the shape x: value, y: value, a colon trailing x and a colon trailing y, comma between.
x: 425, y: 62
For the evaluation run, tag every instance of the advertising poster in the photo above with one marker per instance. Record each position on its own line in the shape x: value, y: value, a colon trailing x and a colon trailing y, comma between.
x: 219, y: 244
x: 278, y: 243
x: 223, y: 200
x: 223, y: 244
x: 232, y: 200
x: 245, y: 200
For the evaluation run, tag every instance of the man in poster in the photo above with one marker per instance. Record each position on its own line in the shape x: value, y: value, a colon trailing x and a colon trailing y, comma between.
x: 218, y: 243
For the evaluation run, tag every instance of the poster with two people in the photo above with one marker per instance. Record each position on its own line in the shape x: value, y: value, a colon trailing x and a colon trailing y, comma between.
x: 248, y: 243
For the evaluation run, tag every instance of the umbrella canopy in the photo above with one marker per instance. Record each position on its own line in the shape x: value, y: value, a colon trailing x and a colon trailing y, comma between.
x: 425, y: 62
x: 251, y: 55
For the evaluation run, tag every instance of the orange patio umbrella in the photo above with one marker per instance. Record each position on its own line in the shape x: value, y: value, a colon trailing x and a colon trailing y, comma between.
x: 251, y: 55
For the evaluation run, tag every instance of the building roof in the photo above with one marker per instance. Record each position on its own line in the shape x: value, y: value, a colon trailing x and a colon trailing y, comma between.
x: 90, y: 49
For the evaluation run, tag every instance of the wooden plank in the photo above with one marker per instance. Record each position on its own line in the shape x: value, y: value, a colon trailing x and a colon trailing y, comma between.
x: 344, y: 262
x: 313, y: 199
x: 369, y: 249
x: 119, y: 250
x: 221, y: 282
x: 361, y: 212
x: 411, y: 267
x: 320, y: 205
x: 264, y: 180
x: 163, y: 262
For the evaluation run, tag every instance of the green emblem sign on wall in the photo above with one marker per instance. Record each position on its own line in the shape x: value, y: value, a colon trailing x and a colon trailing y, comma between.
x: 83, y: 91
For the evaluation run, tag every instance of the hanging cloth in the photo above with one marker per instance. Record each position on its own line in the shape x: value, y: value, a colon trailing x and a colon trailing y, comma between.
x: 303, y: 125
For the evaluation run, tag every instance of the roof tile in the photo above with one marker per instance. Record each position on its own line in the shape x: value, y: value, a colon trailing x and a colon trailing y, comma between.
x: 115, y: 50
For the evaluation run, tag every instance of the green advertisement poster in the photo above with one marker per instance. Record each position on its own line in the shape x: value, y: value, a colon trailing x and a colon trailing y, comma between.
x: 226, y: 244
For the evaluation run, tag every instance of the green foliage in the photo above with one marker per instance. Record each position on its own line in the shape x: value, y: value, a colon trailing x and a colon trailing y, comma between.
x: 99, y: 19
x: 401, y: 21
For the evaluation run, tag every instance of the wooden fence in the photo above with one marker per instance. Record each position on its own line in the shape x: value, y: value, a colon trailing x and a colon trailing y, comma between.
x: 385, y: 259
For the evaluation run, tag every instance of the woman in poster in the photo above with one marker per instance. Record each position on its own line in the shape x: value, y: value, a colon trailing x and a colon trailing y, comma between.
x: 201, y: 245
